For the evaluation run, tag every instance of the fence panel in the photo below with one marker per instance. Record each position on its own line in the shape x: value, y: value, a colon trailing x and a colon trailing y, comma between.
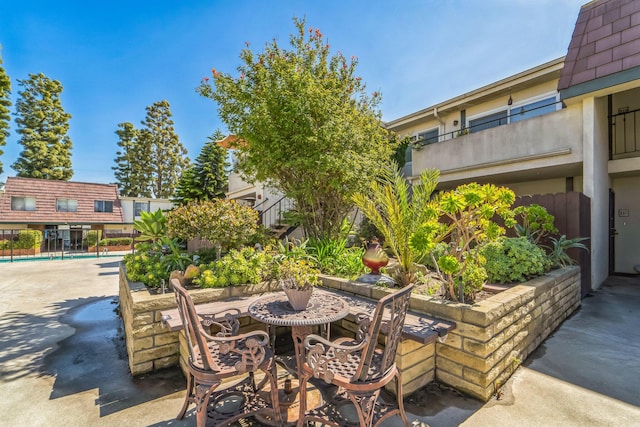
x: 572, y: 213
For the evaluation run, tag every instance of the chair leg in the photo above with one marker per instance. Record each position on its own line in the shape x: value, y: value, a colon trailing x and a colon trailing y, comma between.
x: 202, y: 397
x: 365, y: 404
x: 302, y: 395
x: 272, y: 375
x: 400, y: 399
x: 188, y: 398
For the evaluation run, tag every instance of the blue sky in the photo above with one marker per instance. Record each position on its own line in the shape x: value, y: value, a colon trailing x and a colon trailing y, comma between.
x: 116, y: 57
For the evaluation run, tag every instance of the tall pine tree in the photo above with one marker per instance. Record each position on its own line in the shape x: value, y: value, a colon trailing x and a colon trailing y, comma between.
x: 207, y: 178
x: 131, y: 173
x: 167, y: 156
x: 5, y: 106
x: 43, y: 125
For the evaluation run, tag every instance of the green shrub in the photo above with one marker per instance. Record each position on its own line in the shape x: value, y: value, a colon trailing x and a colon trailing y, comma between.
x: 150, y: 266
x: 533, y: 222
x: 558, y: 255
x: 146, y: 267
x: 5, y: 244
x: 513, y: 260
x: 28, y: 239
x: 238, y: 267
x: 116, y: 241
x: 92, y: 237
x: 333, y: 257
x: 225, y: 223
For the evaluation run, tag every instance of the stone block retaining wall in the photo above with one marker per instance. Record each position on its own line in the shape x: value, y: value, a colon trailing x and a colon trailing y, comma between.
x: 151, y: 345
x: 491, y: 337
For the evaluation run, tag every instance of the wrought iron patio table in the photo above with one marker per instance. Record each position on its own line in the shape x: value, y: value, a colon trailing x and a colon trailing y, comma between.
x: 323, y: 308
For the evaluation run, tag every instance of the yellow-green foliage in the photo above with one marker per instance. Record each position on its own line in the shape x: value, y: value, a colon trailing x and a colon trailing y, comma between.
x: 28, y: 239
x: 238, y: 267
x: 224, y: 223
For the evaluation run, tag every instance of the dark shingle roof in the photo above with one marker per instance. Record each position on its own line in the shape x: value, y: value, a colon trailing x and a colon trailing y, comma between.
x: 46, y: 192
x: 605, y: 41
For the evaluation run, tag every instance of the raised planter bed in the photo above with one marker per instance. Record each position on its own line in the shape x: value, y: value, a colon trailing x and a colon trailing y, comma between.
x: 109, y: 248
x: 492, y: 337
x: 19, y: 252
x: 490, y: 340
x: 151, y: 345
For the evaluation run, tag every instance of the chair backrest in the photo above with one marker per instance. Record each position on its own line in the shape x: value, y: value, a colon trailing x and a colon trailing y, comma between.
x: 199, y: 353
x: 389, y: 315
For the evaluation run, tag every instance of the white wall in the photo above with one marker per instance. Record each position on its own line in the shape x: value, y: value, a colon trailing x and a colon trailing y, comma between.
x: 627, y: 223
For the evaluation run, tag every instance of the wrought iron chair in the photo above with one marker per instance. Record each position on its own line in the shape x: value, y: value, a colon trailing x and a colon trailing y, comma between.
x: 360, y: 368
x: 213, y: 358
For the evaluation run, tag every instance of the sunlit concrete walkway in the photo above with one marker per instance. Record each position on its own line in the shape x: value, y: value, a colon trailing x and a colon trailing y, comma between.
x: 62, y: 361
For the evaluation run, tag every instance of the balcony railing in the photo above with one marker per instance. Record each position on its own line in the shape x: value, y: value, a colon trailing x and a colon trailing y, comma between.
x: 486, y: 124
x: 625, y: 127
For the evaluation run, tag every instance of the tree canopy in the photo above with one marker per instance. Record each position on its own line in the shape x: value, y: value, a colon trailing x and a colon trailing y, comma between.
x: 309, y: 127
x: 5, y: 106
x: 207, y: 178
x: 129, y: 172
x: 43, y: 125
x: 167, y: 157
x: 150, y: 159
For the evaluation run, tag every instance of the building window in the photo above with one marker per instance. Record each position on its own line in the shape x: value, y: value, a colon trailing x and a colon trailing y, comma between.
x: 23, y: 203
x: 66, y: 205
x: 103, y: 206
x: 488, y: 121
x: 428, y: 137
x: 139, y: 207
x: 533, y: 109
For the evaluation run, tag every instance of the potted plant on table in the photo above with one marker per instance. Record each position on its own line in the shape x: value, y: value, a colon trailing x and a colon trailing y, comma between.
x: 297, y: 278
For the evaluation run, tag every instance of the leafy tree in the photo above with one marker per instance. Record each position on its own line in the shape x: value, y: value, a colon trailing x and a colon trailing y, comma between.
x: 309, y: 127
x: 534, y: 222
x: 130, y: 172
x: 207, y: 178
x: 166, y: 154
x: 5, y: 105
x: 43, y: 125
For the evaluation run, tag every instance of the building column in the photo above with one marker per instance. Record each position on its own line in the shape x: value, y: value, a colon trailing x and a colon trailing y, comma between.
x: 596, y: 183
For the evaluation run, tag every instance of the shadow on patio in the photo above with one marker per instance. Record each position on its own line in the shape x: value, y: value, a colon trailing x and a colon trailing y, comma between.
x: 95, y: 358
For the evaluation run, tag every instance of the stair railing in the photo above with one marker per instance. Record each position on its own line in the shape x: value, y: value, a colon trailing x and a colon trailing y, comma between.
x: 274, y: 214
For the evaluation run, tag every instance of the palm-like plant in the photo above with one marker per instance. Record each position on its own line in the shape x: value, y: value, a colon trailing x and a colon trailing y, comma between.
x: 151, y: 225
x: 403, y: 215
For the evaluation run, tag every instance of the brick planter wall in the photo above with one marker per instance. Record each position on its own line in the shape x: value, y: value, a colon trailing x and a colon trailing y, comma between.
x: 416, y: 361
x: 19, y: 252
x: 150, y: 345
x: 110, y: 248
x: 492, y: 337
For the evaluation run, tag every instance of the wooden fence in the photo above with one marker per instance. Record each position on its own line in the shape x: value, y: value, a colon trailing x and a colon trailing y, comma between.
x: 572, y: 212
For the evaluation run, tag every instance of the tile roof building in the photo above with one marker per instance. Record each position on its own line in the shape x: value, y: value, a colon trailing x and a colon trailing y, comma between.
x: 43, y: 201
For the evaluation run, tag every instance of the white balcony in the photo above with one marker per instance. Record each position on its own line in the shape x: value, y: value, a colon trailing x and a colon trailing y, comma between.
x: 543, y: 147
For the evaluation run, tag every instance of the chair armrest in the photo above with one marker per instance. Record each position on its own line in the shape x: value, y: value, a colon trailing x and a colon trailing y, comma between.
x: 321, y: 352
x: 228, y: 324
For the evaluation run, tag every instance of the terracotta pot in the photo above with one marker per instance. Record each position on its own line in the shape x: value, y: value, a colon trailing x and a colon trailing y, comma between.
x: 298, y: 299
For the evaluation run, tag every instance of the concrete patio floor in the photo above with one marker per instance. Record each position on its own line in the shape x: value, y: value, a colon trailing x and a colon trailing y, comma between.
x: 63, y: 363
